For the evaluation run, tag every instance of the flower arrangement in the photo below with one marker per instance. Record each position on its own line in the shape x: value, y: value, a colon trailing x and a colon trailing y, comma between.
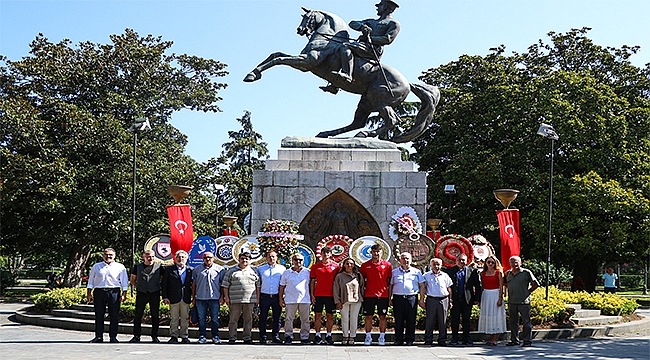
x: 405, y: 225
x: 281, y: 236
x: 450, y: 246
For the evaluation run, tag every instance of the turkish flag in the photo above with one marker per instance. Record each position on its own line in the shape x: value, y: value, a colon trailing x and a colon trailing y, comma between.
x: 180, y: 225
x: 509, y: 231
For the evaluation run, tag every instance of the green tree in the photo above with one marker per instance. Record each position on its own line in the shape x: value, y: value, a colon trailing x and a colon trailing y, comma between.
x: 598, y: 102
x: 234, y: 168
x: 67, y: 153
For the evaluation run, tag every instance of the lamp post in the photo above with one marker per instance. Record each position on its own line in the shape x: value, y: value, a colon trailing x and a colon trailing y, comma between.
x: 450, y: 190
x: 218, y: 189
x: 548, y: 132
x: 139, y: 124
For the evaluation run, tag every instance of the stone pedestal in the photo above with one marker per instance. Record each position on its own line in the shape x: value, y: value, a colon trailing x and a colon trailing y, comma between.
x: 300, y: 178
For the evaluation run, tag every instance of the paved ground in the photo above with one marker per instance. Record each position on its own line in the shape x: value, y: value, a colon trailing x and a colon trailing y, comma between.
x: 18, y: 341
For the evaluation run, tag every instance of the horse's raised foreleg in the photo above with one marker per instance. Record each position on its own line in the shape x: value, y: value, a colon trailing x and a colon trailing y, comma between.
x: 277, y: 58
x: 360, y: 119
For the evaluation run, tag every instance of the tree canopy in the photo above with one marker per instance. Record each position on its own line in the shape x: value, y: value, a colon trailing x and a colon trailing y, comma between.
x: 66, y: 152
x: 485, y: 139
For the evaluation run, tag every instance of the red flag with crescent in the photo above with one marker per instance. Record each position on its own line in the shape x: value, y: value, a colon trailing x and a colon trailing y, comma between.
x: 509, y: 231
x: 180, y: 227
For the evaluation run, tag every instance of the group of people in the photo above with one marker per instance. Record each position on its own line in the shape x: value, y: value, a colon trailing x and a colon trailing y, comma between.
x: 328, y: 286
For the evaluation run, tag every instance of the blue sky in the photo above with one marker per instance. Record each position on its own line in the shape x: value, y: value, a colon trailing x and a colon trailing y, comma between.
x: 286, y: 101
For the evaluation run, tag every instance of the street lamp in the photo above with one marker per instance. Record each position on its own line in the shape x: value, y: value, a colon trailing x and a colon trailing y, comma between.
x: 548, y: 132
x: 450, y: 190
x: 138, y: 125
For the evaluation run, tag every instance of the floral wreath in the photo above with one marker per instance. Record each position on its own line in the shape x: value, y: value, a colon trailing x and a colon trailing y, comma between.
x: 449, y: 246
x: 281, y: 236
x: 405, y: 225
x: 340, y: 245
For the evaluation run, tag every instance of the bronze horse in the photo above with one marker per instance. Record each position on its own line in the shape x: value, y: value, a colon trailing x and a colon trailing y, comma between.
x: 380, y: 91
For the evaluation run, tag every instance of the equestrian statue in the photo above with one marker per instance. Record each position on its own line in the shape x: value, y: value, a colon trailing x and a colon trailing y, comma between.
x: 354, y: 66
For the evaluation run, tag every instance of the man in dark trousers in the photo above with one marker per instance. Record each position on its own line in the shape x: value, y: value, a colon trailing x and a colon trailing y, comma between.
x: 145, y: 277
x: 177, y: 292
x: 466, y: 291
x: 107, y: 285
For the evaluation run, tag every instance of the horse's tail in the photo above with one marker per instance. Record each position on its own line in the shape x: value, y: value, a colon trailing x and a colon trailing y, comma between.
x: 429, y: 97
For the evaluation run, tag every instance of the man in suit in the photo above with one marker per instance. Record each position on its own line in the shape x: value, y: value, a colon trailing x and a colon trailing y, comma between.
x: 177, y: 292
x: 466, y: 291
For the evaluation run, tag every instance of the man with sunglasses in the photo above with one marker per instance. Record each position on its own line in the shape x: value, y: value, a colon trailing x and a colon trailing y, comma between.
x: 294, y: 296
x: 206, y: 295
x: 107, y: 285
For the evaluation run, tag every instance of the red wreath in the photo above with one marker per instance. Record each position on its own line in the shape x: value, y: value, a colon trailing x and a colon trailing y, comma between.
x: 448, y: 246
x: 338, y: 241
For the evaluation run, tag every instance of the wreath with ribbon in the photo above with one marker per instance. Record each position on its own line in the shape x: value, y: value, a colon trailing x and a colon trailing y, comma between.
x: 280, y: 235
x: 450, y: 246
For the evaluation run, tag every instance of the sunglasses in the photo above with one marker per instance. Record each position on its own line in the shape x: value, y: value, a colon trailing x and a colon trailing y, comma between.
x: 208, y: 257
x: 490, y: 262
x: 296, y: 259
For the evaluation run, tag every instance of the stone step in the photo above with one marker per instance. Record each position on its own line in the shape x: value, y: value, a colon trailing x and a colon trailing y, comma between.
x: 599, y: 320
x: 586, y: 313
x: 83, y: 307
x: 76, y: 314
x: 574, y: 306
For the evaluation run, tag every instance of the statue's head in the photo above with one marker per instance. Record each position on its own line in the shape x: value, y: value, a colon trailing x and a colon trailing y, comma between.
x: 387, y: 5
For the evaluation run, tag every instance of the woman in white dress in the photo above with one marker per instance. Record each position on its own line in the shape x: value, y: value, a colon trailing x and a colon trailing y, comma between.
x: 492, y: 320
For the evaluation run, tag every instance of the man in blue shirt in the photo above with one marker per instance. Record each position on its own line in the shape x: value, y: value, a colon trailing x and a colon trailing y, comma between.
x: 270, y: 274
x: 407, y: 283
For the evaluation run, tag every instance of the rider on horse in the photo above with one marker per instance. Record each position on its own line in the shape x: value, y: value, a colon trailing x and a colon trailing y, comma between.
x: 375, y: 34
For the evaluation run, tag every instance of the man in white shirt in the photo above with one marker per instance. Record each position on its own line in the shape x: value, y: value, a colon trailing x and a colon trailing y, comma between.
x: 438, y: 285
x: 294, y: 295
x: 270, y: 274
x: 107, y: 285
x: 407, y: 284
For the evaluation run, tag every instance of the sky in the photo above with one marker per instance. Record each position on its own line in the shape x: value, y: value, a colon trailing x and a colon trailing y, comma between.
x: 287, y: 102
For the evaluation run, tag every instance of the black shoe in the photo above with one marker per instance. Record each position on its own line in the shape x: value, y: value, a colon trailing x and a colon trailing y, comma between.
x: 97, y: 340
x: 398, y: 343
x: 135, y: 339
x: 442, y: 343
x: 172, y: 340
x: 232, y: 341
x: 318, y: 340
x: 305, y: 341
x: 409, y: 343
x: 428, y: 342
x: 114, y: 340
x: 154, y: 339
x: 468, y: 342
x: 513, y: 343
x: 288, y: 340
x: 454, y: 343
x: 262, y: 342
x: 249, y: 341
x: 526, y: 344
x: 277, y: 340
x: 185, y: 341
x: 329, y: 340
x: 330, y: 89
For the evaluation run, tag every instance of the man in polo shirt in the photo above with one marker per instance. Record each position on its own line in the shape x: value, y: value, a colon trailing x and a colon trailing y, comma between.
x: 270, y: 274
x: 376, y: 273
x: 520, y: 283
x: 438, y: 285
x: 294, y: 296
x: 407, y: 283
x: 241, y: 291
x: 206, y: 292
x: 145, y: 277
x: 322, y: 276
x: 107, y: 285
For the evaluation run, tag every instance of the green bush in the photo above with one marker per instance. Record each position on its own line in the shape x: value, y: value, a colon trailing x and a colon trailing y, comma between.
x: 59, y: 299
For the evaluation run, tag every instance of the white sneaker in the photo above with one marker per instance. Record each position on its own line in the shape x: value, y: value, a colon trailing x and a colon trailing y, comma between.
x: 381, y: 341
x: 368, y: 340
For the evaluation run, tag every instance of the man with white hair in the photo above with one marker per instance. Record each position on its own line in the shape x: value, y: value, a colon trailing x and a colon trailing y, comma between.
x: 177, y: 293
x: 520, y: 283
x: 407, y: 283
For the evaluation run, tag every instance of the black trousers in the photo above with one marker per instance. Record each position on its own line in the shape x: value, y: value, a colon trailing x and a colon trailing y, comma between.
x: 269, y: 302
x: 102, y: 298
x: 460, y: 309
x: 405, y: 309
x: 141, y: 300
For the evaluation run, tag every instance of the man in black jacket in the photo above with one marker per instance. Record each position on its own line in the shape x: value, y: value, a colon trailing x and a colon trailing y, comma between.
x: 145, y: 277
x: 177, y: 292
x: 466, y: 291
